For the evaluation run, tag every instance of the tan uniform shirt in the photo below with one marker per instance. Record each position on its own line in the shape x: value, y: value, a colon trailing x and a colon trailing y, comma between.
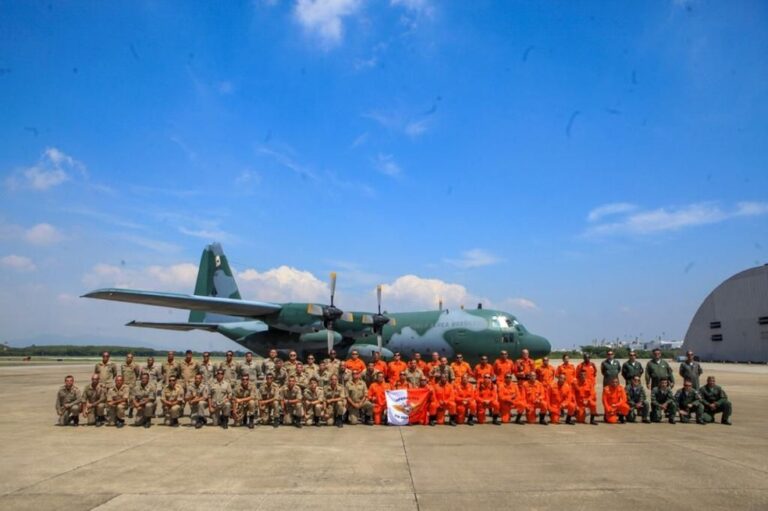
x: 197, y: 391
x: 289, y: 394
x: 208, y: 371
x: 141, y: 392
x: 130, y: 373
x: 268, y: 391
x: 155, y: 373
x: 357, y: 391
x: 219, y: 391
x: 175, y: 393
x: 253, y: 370
x: 230, y: 371
x: 96, y: 395
x: 106, y: 372
x: 188, y: 371
x: 67, y: 397
x: 333, y: 393
x: 114, y: 394
x: 170, y: 368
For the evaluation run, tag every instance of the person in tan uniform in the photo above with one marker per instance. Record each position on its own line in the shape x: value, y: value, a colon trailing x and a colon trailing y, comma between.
x: 280, y: 373
x: 369, y: 376
x: 334, y: 364
x: 314, y: 403
x: 251, y: 368
x: 188, y: 368
x: 290, y: 365
x: 310, y: 367
x: 207, y: 368
x: 219, y: 404
x: 269, y: 401
x: 118, y: 397
x: 359, y: 408
x: 244, y: 402
x: 143, y: 395
x: 412, y: 373
x: 230, y: 368
x: 197, y: 398
x: 106, y: 370
x: 291, y: 398
x: 170, y: 368
x: 68, y: 400
x: 335, y: 402
x: 130, y: 373
x: 268, y: 365
x: 172, y: 400
x: 94, y: 402
x: 302, y: 378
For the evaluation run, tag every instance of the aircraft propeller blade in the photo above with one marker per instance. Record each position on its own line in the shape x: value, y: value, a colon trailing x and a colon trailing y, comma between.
x: 333, y: 286
x: 378, y: 297
x: 330, y: 338
x: 379, y: 342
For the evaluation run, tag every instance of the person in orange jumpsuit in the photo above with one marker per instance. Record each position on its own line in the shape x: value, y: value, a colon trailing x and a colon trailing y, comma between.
x: 482, y: 369
x: 402, y: 382
x: 584, y: 391
x: 545, y: 373
x: 568, y: 369
x: 524, y: 366
x: 443, y: 402
x: 424, y: 384
x: 394, y: 369
x: 420, y: 362
x: 466, y: 406
x: 510, y: 397
x: 378, y: 397
x: 615, y: 403
x: 433, y: 363
x: 502, y: 366
x: 536, y: 400
x: 354, y: 363
x: 487, y: 399
x: 460, y: 367
x: 379, y: 364
x: 561, y: 398
x: 588, y: 366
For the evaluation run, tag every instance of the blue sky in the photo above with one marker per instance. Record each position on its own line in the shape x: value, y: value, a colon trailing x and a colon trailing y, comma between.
x: 594, y: 168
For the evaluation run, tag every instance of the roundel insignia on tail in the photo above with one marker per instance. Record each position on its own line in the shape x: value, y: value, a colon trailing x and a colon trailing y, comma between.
x: 218, y: 261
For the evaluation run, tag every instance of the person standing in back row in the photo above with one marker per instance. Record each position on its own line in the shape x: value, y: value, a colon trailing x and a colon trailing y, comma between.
x: 631, y: 368
x: 658, y: 369
x: 691, y: 370
x: 609, y: 368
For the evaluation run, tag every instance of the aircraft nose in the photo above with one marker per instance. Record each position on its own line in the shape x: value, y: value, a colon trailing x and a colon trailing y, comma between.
x: 540, y: 347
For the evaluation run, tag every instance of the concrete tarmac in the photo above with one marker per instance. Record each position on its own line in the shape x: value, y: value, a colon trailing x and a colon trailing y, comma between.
x: 656, y: 466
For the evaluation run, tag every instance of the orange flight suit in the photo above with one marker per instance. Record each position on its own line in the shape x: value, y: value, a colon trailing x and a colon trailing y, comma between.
x: 378, y: 397
x: 487, y: 399
x: 428, y: 402
x: 614, y: 403
x: 381, y: 367
x: 510, y: 397
x: 569, y: 370
x: 443, y: 400
x: 536, y: 399
x: 502, y: 367
x: 481, y: 370
x: 584, y: 391
x: 561, y: 396
x: 400, y: 384
x: 460, y: 369
x: 524, y: 366
x: 465, y: 401
x: 355, y: 365
x: 394, y: 370
x: 545, y: 374
x: 591, y: 369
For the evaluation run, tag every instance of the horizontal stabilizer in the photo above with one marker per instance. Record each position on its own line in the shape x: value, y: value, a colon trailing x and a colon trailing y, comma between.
x: 184, y: 327
x: 229, y: 306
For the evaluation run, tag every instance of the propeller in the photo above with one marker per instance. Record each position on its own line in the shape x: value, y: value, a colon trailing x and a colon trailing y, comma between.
x: 378, y: 320
x: 330, y: 313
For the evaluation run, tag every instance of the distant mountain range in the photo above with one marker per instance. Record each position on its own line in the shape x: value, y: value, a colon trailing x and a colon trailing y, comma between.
x: 56, y: 340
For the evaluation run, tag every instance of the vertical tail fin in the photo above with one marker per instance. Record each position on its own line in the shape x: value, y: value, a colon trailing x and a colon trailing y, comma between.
x: 214, y: 278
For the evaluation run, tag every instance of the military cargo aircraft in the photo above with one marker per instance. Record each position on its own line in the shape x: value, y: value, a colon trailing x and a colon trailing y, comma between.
x: 217, y: 306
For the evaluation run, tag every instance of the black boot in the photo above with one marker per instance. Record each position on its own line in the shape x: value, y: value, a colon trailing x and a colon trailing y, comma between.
x: 275, y: 422
x: 451, y: 420
x: 251, y: 419
x: 672, y: 420
x: 75, y: 420
x: 432, y: 420
x: 225, y: 421
x: 316, y: 422
x: 339, y: 421
x: 726, y: 422
x: 147, y: 422
x: 569, y: 420
x: 369, y: 420
x: 496, y: 420
x: 622, y: 419
x: 174, y: 423
x: 198, y: 423
x: 100, y: 420
x: 297, y: 422
x: 470, y: 420
x: 119, y: 423
x: 646, y: 420
x: 593, y: 420
x: 543, y: 419
x: 130, y: 413
x: 519, y: 418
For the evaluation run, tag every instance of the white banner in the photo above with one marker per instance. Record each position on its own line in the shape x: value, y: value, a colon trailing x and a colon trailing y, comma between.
x: 397, y: 407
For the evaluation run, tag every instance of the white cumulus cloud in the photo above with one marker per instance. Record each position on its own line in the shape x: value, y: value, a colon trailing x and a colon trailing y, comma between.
x: 18, y: 263
x: 411, y: 291
x: 324, y: 18
x: 177, y: 277
x: 283, y: 284
x: 52, y: 169
x: 43, y: 234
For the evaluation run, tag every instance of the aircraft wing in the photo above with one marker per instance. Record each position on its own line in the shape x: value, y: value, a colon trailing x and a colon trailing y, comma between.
x: 228, y: 306
x: 184, y: 327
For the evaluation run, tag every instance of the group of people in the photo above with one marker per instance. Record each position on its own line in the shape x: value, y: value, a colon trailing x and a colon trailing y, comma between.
x: 334, y: 392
